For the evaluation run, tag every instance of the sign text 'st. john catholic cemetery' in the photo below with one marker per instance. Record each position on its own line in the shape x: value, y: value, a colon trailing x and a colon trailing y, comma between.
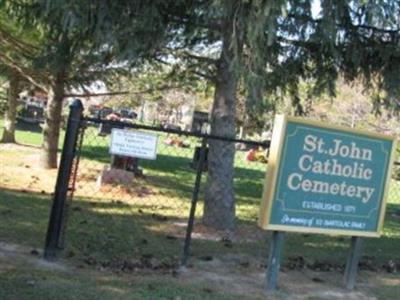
x: 326, y: 179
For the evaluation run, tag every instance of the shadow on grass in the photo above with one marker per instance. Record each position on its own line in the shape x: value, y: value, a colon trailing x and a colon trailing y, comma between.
x: 101, y: 230
x: 108, y: 233
x: 378, y: 251
x: 25, y: 126
x: 23, y: 217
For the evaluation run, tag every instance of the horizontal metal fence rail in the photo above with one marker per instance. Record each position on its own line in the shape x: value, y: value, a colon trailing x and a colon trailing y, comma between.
x: 265, y: 144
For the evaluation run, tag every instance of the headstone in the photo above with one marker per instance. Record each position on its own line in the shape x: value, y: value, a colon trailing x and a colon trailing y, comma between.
x: 111, y: 175
x: 130, y: 164
x: 200, y: 121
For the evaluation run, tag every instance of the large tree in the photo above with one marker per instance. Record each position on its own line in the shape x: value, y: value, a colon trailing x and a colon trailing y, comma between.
x: 66, y: 58
x: 270, y: 46
x: 11, y: 107
x: 17, y: 50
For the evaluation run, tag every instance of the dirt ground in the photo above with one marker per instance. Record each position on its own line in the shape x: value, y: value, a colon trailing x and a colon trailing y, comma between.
x: 246, y: 280
x: 225, y: 278
x: 19, y: 167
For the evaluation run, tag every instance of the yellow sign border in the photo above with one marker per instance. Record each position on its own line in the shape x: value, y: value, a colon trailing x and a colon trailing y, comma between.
x: 274, y: 161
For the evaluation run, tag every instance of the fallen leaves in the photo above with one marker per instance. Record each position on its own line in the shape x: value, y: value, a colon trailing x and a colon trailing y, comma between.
x: 146, y: 261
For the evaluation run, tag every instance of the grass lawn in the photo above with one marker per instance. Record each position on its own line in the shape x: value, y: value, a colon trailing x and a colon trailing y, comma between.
x: 28, y: 134
x: 91, y: 269
x: 124, y: 242
x: 24, y: 276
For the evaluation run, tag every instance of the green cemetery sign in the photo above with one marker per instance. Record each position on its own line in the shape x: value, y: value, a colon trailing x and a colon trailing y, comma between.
x: 326, y: 179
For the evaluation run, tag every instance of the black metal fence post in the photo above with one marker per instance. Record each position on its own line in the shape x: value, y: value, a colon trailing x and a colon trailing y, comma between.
x: 195, y: 197
x: 61, y: 189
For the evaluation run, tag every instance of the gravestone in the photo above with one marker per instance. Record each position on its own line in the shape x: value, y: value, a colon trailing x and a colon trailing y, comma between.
x: 199, y: 122
x: 126, y: 147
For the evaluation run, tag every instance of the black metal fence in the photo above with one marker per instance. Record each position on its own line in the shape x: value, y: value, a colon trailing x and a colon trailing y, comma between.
x: 153, y: 208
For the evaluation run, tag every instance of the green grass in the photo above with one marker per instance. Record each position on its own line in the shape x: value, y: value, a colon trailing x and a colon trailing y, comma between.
x: 29, y: 134
x: 102, y: 238
x: 111, y: 238
x: 106, y: 236
x: 22, y: 280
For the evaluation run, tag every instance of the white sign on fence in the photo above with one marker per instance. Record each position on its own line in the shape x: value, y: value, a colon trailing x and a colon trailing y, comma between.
x: 133, y: 143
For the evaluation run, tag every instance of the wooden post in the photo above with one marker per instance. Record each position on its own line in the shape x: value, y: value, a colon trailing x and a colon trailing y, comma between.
x: 274, y: 260
x: 353, y: 259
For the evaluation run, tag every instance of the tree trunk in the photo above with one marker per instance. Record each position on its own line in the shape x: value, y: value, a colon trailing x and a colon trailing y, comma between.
x: 219, y: 203
x: 51, y: 131
x: 10, y: 115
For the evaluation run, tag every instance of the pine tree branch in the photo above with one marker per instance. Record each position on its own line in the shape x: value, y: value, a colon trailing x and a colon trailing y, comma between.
x: 203, y: 75
x: 84, y: 95
x: 161, y: 61
x: 310, y: 19
x: 213, y: 24
x: 187, y: 54
x: 24, y: 72
x: 201, y: 58
x: 376, y: 29
x: 20, y: 44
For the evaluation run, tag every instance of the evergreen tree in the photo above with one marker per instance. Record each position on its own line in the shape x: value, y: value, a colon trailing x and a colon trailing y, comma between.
x: 17, y: 49
x: 11, y: 107
x: 65, y: 59
x: 270, y: 45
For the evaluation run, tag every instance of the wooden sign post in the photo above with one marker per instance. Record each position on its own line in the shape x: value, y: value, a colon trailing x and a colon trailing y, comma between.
x: 326, y: 179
